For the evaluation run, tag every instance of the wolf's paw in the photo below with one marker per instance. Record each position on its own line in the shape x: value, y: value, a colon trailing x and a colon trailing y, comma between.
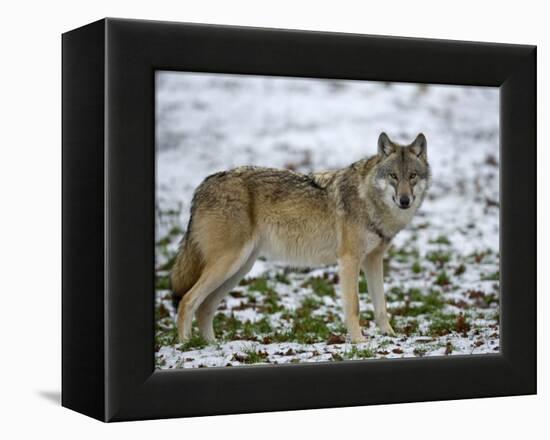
x: 183, y: 336
x: 358, y: 339
x: 209, y: 339
x: 387, y: 329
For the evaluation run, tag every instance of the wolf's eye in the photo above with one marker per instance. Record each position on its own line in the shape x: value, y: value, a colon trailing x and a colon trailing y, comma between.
x: 412, y: 176
x: 393, y: 176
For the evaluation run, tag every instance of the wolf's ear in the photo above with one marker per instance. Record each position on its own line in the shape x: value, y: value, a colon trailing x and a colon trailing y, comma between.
x: 385, y: 145
x: 420, y: 146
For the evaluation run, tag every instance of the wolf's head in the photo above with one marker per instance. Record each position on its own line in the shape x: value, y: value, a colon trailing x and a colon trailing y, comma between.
x: 403, y: 175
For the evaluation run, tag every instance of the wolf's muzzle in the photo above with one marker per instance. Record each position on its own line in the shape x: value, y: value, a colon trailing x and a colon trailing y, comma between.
x: 404, y: 202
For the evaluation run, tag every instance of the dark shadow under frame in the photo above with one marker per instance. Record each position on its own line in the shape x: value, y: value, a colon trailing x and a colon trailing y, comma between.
x: 108, y: 219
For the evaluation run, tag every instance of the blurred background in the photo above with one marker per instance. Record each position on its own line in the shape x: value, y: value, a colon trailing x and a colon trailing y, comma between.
x: 206, y: 123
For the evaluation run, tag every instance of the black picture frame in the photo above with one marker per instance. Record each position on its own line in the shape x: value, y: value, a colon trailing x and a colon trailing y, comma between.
x: 108, y: 219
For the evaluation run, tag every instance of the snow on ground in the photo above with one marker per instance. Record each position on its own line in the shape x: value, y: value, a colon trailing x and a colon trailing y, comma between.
x: 442, y: 273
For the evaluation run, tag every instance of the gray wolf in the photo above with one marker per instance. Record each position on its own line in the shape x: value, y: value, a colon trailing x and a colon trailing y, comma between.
x: 347, y: 216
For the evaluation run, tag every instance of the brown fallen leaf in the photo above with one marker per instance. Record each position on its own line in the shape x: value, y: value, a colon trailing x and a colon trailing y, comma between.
x: 474, y: 294
x: 462, y: 326
x: 335, y: 339
x: 239, y: 358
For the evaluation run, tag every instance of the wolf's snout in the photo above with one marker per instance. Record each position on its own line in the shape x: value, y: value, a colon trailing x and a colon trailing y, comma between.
x: 404, y: 201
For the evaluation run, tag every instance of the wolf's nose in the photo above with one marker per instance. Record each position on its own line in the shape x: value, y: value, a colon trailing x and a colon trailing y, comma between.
x: 404, y: 201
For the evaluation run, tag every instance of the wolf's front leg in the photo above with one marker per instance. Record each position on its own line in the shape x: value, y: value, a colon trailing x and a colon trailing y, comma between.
x: 349, y: 279
x: 373, y: 265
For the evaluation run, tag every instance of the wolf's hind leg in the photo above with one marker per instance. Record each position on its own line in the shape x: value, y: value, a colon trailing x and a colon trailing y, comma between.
x: 215, y: 274
x: 349, y: 276
x: 207, y: 310
x: 373, y: 265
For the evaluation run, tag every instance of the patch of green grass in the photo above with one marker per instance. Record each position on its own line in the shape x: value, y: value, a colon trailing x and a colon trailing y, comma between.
x: 407, y: 327
x: 251, y: 297
x: 308, y: 328
x: 282, y: 336
x: 442, y: 279
x: 358, y: 353
x: 166, y: 336
x: 262, y: 326
x: 491, y: 298
x: 171, y: 212
x: 175, y: 231
x: 309, y: 304
x: 410, y: 327
x: 227, y: 327
x: 320, y: 286
x: 442, y: 324
x: 164, y: 241
x: 445, y: 323
x: 430, y: 303
x: 230, y: 328
x: 460, y: 270
x: 384, y: 343
x: 438, y: 257
x: 479, y: 256
x: 270, y: 304
x: 253, y: 356
x: 442, y: 239
x: 281, y: 277
x: 398, y: 293
x: 338, y: 327
x: 366, y: 315
x: 403, y: 254
x: 416, y: 295
x: 258, y: 285
x: 195, y: 341
x: 495, y: 276
x: 416, y: 267
x: 433, y: 301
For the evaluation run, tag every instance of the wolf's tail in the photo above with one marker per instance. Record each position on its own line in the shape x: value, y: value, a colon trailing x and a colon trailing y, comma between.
x: 186, y: 271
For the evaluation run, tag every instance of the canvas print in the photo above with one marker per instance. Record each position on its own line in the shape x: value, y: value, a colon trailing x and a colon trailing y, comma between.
x: 304, y: 220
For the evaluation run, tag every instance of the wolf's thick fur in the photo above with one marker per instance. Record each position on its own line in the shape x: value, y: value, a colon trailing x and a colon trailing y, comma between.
x: 347, y: 216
